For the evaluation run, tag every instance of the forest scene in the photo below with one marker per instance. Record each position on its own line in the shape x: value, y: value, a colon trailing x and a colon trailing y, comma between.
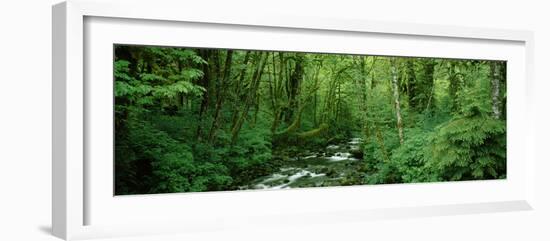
x: 197, y: 119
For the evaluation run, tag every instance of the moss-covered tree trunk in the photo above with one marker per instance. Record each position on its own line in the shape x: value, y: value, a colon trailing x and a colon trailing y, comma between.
x: 251, y: 97
x: 205, y: 83
x: 220, y: 93
x: 294, y: 86
x: 237, y: 86
x: 454, y: 83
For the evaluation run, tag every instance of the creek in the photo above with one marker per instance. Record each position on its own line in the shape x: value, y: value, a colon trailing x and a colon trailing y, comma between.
x: 331, y: 166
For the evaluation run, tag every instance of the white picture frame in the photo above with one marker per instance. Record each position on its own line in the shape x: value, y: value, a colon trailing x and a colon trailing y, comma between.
x: 83, y: 208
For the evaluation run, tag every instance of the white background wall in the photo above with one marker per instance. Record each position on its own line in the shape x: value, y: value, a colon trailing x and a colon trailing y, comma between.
x: 25, y: 119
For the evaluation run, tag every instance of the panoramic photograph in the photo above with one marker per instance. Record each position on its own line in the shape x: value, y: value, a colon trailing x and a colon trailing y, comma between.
x: 199, y: 119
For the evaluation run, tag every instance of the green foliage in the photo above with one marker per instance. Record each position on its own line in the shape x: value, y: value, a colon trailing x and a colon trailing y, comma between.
x: 442, y: 145
x: 181, y: 87
x: 250, y: 156
x: 167, y: 82
x: 169, y: 165
x: 471, y: 147
x: 189, y: 120
x: 410, y: 158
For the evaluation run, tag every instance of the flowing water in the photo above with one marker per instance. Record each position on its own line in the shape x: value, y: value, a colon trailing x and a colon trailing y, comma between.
x: 327, y: 167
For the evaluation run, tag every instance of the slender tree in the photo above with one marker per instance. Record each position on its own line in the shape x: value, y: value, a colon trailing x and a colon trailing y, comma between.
x: 222, y: 85
x: 251, y: 97
x: 495, y: 89
x: 395, y: 88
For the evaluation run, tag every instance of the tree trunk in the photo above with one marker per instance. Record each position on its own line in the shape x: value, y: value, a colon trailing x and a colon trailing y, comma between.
x: 373, y: 76
x: 255, y: 83
x: 425, y: 84
x: 362, y: 89
x: 315, y: 95
x: 238, y: 87
x: 380, y: 141
x: 205, y: 83
x: 431, y: 95
x: 338, y: 102
x: 453, y: 85
x: 296, y: 122
x: 396, y: 99
x: 272, y: 97
x: 294, y: 86
x: 495, y: 93
x: 313, y: 133
x: 503, y: 86
x: 278, y: 88
x: 412, y: 84
x: 221, y: 94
